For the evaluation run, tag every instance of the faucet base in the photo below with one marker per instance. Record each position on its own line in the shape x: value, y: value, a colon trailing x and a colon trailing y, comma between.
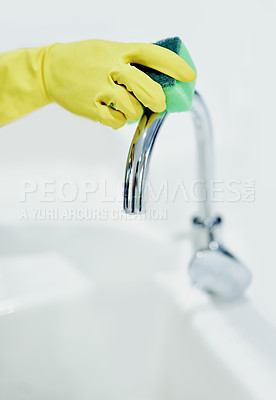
x: 213, y: 268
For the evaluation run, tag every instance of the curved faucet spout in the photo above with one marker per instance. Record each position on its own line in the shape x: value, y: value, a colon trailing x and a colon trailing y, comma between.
x: 138, y: 161
x: 140, y: 152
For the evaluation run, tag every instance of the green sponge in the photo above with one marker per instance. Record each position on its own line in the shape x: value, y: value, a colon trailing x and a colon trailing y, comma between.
x: 179, y: 95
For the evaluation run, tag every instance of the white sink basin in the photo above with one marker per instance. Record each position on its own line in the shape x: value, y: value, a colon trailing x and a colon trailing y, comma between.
x: 108, y: 314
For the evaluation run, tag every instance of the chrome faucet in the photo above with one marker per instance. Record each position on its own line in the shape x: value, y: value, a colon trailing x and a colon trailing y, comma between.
x: 213, y: 268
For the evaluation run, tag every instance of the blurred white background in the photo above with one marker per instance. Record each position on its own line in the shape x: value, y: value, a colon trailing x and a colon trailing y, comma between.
x: 233, y: 46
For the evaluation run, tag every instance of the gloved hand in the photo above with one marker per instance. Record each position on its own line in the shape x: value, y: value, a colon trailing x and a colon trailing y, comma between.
x: 91, y: 78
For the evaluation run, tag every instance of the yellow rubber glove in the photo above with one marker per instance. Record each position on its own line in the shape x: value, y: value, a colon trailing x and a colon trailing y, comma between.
x: 86, y: 78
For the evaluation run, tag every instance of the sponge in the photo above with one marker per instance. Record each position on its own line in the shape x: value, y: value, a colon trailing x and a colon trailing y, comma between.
x: 179, y: 95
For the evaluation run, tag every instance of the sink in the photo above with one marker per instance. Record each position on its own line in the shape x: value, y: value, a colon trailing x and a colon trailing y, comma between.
x: 84, y: 315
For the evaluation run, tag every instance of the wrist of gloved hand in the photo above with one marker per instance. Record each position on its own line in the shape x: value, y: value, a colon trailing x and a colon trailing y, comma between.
x: 22, y: 88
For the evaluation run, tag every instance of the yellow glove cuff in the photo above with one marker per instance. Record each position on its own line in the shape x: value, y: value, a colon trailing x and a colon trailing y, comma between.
x: 22, y: 88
